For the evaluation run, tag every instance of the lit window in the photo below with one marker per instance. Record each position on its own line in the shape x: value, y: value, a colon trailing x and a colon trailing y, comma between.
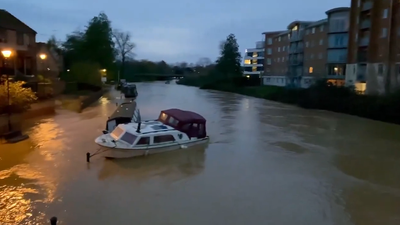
x: 247, y: 61
x: 310, y: 70
x: 254, y: 69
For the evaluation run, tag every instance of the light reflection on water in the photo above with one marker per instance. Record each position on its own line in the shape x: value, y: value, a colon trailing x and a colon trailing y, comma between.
x: 267, y: 163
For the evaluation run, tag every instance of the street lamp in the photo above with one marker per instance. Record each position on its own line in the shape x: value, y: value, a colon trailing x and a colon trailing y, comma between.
x: 6, y: 54
x: 43, y: 56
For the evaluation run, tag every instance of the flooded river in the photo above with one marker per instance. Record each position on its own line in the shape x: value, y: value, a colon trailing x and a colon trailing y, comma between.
x: 266, y: 163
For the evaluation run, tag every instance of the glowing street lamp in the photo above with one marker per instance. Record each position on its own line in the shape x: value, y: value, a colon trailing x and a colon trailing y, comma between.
x: 43, y: 56
x: 7, y: 54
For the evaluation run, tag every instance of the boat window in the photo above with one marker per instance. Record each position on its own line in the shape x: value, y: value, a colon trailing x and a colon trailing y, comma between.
x: 173, y: 121
x: 128, y: 138
x: 195, y: 125
x: 201, y: 129
x: 144, y: 141
x: 163, y: 116
x: 186, y: 127
x: 163, y: 138
x: 116, y: 133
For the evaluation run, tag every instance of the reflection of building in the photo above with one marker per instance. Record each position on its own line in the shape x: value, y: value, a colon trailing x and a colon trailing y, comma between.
x: 21, y: 40
x: 373, y: 50
x: 254, y: 60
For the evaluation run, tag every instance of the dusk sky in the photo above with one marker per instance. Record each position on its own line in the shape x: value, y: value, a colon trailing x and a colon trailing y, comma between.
x: 173, y: 30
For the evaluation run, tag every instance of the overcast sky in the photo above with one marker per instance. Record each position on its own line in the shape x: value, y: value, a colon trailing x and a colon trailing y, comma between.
x: 173, y: 30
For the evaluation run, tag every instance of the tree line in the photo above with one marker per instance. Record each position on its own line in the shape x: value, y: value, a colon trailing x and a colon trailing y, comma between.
x: 99, y: 47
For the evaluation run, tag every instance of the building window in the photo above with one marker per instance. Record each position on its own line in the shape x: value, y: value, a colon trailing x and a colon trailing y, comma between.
x: 247, y: 61
x: 254, y: 69
x: 268, y: 61
x: 384, y: 33
x: 321, y: 42
x: 385, y: 13
x: 313, y: 30
x: 279, y: 59
x: 307, y: 44
x: 321, y: 28
x: 269, y: 51
x: 310, y: 70
x: 283, y: 48
x: 20, y: 38
x: 312, y: 56
x: 283, y: 59
x: 3, y: 35
x: 307, y: 32
x: 279, y: 39
x: 269, y: 41
x: 279, y: 49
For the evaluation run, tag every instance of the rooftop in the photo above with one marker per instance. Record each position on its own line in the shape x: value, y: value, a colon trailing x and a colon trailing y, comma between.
x: 184, y: 116
x: 9, y: 21
x: 124, y: 110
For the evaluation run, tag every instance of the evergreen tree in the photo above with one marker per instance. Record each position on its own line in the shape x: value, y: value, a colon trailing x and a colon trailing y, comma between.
x: 228, y: 64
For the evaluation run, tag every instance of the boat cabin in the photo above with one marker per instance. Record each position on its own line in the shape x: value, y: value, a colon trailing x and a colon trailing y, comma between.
x: 190, y: 123
x: 147, y: 133
x: 125, y: 113
x: 129, y: 90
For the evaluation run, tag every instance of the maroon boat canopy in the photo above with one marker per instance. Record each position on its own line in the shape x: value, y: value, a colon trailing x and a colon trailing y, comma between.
x: 185, y: 116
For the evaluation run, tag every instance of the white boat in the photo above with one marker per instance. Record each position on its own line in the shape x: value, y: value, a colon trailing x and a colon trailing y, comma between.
x: 174, y: 129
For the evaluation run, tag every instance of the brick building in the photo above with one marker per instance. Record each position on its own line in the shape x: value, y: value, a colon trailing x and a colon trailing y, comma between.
x: 19, y: 38
x: 374, y: 42
x: 277, y: 49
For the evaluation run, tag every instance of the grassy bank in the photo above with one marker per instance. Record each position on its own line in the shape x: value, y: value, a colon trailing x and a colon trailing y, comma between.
x: 320, y: 96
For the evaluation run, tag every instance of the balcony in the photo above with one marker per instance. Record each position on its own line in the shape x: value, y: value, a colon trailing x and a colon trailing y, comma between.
x: 365, y: 24
x: 367, y: 5
x: 260, y: 44
x: 364, y: 42
x: 297, y: 36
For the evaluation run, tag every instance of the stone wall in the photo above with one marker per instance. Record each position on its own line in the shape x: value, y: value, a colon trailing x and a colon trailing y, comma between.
x: 91, y: 98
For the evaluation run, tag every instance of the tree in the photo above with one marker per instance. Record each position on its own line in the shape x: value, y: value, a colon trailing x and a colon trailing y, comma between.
x: 20, y: 98
x: 228, y: 64
x: 123, y: 47
x: 52, y: 43
x: 94, y: 45
x: 203, y: 62
x: 88, y: 73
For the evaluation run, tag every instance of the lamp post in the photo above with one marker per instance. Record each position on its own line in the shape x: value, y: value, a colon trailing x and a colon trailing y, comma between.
x: 6, y: 54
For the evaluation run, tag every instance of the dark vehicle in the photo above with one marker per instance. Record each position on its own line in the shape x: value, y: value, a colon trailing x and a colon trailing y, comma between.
x: 125, y: 113
x: 130, y: 90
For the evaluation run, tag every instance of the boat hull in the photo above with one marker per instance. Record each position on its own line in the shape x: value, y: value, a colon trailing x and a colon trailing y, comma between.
x: 117, y: 153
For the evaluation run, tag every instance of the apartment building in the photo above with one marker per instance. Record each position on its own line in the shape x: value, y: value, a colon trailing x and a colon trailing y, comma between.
x: 374, y: 45
x: 253, y: 65
x: 337, y: 38
x: 276, y: 58
x: 20, y: 39
x: 314, y: 53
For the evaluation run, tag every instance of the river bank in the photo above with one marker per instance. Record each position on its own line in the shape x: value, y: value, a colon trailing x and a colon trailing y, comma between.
x: 320, y: 96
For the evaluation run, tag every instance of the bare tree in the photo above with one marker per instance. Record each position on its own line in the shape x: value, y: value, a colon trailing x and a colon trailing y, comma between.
x: 203, y: 62
x: 124, y: 47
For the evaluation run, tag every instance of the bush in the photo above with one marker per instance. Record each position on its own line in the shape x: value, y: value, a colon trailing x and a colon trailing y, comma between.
x: 20, y: 98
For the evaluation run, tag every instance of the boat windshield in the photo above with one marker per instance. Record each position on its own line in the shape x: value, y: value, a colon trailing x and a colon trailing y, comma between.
x: 128, y: 138
x: 117, y: 132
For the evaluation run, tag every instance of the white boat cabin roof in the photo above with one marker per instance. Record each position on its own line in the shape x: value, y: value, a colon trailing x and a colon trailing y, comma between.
x: 147, y: 128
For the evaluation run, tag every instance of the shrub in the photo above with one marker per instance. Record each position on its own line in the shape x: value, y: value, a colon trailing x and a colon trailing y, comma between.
x: 20, y: 98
